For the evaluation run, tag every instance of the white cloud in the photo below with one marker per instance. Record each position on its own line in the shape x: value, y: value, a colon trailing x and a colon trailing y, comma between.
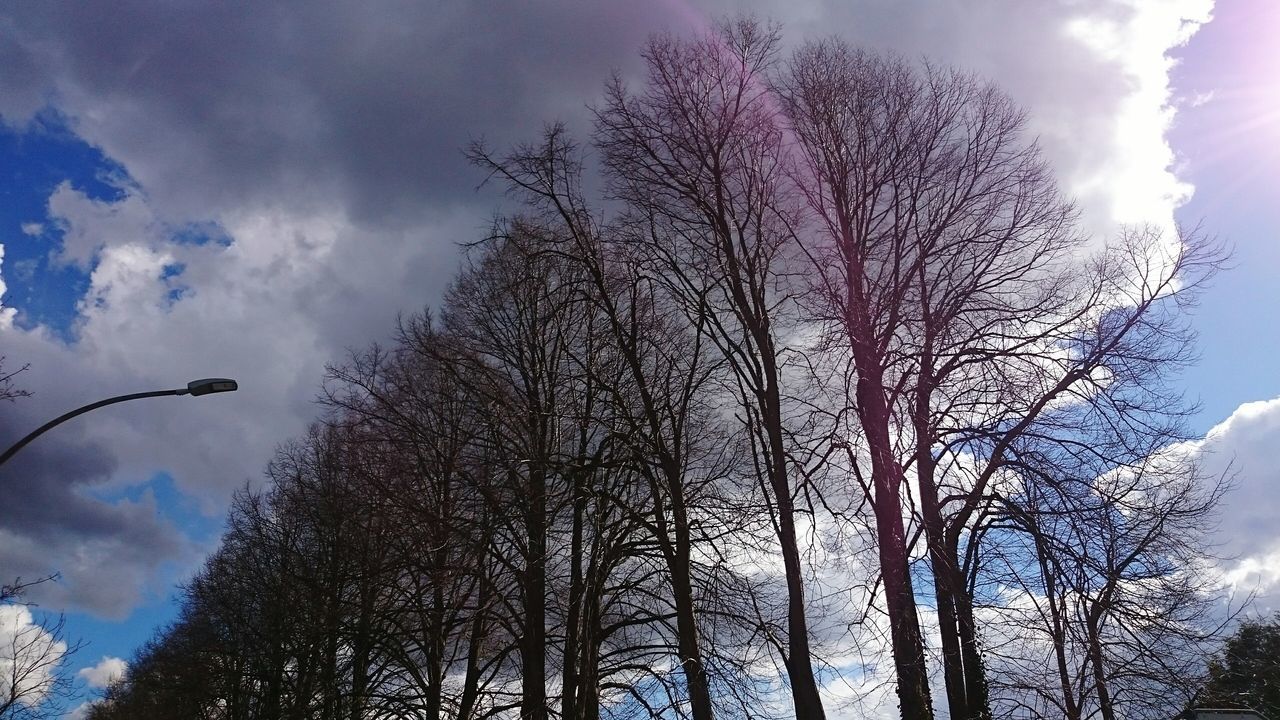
x: 1260, y: 574
x: 1243, y: 446
x: 29, y: 656
x: 90, y: 225
x: 6, y: 314
x: 1240, y: 449
x: 1135, y: 37
x: 1132, y: 179
x: 1201, y: 99
x: 32, y: 228
x: 1094, y: 76
x: 286, y: 297
x: 108, y: 670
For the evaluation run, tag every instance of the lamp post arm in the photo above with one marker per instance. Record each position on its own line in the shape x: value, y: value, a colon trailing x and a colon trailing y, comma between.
x: 80, y: 411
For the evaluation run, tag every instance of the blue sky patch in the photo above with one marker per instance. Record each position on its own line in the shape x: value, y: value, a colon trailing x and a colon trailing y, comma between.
x: 175, y: 506
x: 119, y: 638
x: 200, y: 233
x: 34, y: 161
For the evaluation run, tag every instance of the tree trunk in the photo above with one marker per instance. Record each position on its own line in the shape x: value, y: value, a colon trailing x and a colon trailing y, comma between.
x: 944, y: 590
x: 1105, y: 705
x: 533, y: 700
x: 886, y: 476
x: 975, y: 673
x: 799, y: 663
x: 963, y: 671
x: 680, y: 566
x: 471, y: 676
x: 572, y: 631
x: 754, y: 316
x: 1057, y: 629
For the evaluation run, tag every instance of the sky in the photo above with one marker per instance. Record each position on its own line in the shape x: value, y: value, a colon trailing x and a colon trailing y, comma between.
x: 192, y: 190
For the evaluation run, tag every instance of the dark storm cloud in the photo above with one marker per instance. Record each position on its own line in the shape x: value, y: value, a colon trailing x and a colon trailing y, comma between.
x: 50, y: 524
x: 366, y: 106
x: 45, y: 474
x: 216, y: 104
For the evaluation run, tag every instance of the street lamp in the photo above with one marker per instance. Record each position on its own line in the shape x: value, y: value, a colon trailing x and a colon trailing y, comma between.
x: 195, y: 388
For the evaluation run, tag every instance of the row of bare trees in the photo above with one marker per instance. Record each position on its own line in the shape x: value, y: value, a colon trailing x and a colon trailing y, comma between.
x: 829, y: 335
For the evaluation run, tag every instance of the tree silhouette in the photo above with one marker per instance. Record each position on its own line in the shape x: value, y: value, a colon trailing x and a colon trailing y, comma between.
x: 1246, y: 673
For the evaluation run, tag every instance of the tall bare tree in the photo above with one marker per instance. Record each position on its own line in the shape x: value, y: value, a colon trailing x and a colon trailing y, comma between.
x: 1107, y: 537
x: 657, y: 391
x: 950, y: 265
x: 698, y: 156
x: 512, y: 313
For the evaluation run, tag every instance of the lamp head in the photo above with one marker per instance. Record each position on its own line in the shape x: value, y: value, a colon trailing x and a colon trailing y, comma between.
x: 211, y: 385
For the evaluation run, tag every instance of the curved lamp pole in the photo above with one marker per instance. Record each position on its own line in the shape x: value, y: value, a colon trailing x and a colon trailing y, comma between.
x: 195, y: 388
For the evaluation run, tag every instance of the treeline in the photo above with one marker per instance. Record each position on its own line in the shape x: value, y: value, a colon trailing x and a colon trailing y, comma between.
x: 823, y: 390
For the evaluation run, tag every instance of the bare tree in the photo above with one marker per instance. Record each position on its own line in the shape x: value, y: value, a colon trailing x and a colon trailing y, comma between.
x: 428, y: 621
x: 1117, y: 611
x: 33, y: 659
x: 9, y: 391
x: 657, y: 314
x: 514, y: 313
x: 698, y: 157
x: 949, y: 266
x: 417, y: 432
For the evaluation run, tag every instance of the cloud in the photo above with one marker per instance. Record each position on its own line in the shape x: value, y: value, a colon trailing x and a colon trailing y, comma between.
x: 88, y: 225
x: 211, y: 109
x: 1243, y: 446
x: 6, y: 314
x: 1137, y: 179
x: 29, y: 656
x: 324, y: 142
x: 269, y: 310
x: 108, y: 670
x: 106, y: 552
x: 330, y: 105
x: 1201, y: 99
x: 1093, y: 75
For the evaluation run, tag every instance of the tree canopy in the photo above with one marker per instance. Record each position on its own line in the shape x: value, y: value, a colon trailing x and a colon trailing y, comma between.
x: 1246, y: 673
